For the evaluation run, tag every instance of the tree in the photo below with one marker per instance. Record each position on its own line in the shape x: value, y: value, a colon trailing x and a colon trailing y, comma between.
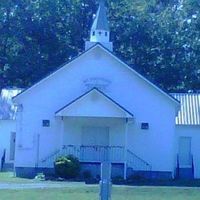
x: 160, y: 39
x: 162, y: 43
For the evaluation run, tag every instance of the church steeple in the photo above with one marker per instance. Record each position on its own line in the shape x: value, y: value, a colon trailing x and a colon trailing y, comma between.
x: 100, y: 32
x: 100, y: 28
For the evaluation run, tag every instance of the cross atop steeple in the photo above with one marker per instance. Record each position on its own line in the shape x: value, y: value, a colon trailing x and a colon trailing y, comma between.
x: 100, y: 32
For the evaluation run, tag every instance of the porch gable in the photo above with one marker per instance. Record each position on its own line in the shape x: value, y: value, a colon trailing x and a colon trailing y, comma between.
x: 94, y: 103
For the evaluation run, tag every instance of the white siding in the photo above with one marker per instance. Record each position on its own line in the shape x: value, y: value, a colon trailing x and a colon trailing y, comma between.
x: 147, y: 104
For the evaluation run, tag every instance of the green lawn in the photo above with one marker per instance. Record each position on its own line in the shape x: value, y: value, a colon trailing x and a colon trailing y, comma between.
x: 8, y: 177
x: 91, y: 193
x: 80, y: 191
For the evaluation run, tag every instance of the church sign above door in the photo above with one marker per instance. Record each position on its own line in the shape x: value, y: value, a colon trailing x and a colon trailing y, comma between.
x: 97, y: 82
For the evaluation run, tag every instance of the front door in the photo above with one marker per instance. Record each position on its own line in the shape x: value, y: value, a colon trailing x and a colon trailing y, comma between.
x: 95, y: 141
x: 12, y: 145
x: 185, y: 151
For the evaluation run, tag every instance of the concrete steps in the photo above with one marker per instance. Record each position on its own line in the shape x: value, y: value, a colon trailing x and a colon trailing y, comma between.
x: 186, y: 173
x: 8, y: 167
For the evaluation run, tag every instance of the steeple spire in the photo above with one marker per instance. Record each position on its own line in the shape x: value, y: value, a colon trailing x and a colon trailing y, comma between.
x: 101, y: 21
x: 100, y: 32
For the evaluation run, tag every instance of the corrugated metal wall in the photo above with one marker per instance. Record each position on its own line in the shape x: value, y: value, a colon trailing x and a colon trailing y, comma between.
x: 189, y: 113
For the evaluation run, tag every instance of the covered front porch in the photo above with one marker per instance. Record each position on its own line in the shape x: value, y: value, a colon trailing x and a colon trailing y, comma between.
x: 94, y: 129
x: 96, y: 125
x: 94, y: 139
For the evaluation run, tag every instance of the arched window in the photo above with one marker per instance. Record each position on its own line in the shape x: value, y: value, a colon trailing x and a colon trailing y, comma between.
x: 93, y: 33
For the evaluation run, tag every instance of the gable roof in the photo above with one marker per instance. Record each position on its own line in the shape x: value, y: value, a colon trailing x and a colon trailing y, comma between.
x: 98, y: 45
x: 189, y: 113
x: 102, y: 96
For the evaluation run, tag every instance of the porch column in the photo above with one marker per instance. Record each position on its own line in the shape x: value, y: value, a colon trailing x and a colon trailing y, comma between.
x: 61, y: 132
x: 125, y: 149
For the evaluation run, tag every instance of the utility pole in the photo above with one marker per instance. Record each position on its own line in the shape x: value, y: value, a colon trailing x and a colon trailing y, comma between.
x: 105, y: 183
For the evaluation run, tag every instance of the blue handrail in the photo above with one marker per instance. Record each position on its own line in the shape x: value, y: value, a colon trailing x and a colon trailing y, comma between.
x: 178, y: 167
x: 192, y: 166
x: 137, y: 163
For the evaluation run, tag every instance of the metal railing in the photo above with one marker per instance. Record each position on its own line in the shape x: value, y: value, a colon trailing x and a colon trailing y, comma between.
x: 48, y: 162
x: 114, y: 154
x: 177, y: 167
x: 184, y: 163
x: 3, y: 159
x: 137, y: 163
x: 192, y: 166
x: 95, y: 153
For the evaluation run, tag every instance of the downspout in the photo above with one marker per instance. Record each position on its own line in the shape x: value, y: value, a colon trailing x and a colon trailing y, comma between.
x: 19, y: 130
x: 125, y: 149
x: 62, y: 133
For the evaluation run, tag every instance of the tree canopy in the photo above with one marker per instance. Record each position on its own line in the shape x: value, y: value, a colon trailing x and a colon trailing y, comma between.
x: 158, y: 38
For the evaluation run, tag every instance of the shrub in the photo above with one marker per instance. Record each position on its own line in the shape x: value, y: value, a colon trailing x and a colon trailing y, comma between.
x: 118, y: 180
x: 67, y: 167
x: 136, y: 177
x: 87, y: 175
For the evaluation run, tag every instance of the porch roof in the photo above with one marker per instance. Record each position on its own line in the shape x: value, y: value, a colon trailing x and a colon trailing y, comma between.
x: 94, y: 103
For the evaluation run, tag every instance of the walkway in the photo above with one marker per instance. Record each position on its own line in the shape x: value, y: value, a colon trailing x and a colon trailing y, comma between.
x: 18, y: 186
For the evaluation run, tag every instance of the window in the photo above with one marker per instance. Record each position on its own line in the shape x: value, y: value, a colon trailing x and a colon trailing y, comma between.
x: 46, y: 123
x: 106, y: 34
x: 100, y: 32
x: 93, y: 33
x: 144, y: 126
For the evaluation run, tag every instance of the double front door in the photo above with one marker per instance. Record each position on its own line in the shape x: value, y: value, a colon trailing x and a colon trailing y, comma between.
x: 95, y: 141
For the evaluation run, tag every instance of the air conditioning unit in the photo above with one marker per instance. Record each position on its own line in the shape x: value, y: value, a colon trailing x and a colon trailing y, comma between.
x: 144, y: 126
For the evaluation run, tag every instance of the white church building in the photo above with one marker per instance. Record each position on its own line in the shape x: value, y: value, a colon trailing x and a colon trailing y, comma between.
x: 98, y: 108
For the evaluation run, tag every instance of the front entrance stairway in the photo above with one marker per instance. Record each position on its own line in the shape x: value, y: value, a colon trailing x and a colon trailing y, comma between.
x: 186, y: 173
x: 6, y: 166
x: 183, y: 171
x: 137, y: 166
x: 98, y: 154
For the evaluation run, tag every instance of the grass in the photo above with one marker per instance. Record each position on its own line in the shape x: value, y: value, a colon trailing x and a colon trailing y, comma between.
x: 8, y: 177
x: 84, y: 192
x: 91, y: 193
